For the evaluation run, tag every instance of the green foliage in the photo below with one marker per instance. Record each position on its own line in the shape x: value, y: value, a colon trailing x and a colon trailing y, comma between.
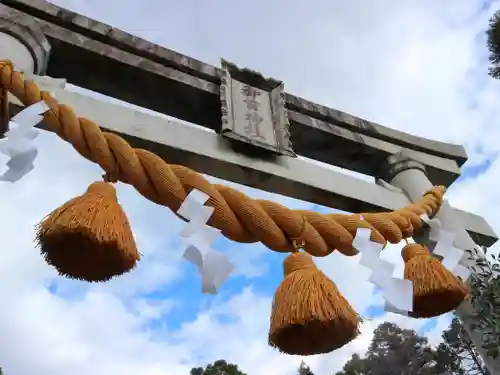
x: 355, y: 366
x: 304, y: 369
x: 485, y: 297
x: 493, y: 43
x: 448, y: 361
x: 457, y: 345
x: 219, y: 367
x: 396, y: 351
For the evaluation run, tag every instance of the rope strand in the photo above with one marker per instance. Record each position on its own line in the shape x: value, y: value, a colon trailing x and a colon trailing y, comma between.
x: 239, y: 217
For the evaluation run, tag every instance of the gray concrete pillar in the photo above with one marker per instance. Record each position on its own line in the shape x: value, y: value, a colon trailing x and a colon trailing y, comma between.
x: 409, y: 176
x: 25, y: 46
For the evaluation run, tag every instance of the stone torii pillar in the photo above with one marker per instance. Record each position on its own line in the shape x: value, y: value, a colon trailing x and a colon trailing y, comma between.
x: 27, y: 47
x: 410, y: 176
x: 29, y: 51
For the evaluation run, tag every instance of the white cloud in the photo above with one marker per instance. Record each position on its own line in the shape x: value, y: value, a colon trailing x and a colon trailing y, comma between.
x: 416, y: 66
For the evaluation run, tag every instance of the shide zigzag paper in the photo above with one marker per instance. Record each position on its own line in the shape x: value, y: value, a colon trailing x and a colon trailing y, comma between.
x: 199, y: 237
x: 444, y: 247
x: 18, y: 143
x: 398, y: 293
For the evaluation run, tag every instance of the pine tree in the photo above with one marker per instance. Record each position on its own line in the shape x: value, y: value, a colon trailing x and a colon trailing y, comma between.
x: 493, y: 34
x: 219, y: 367
x: 397, y: 351
x: 458, y: 345
x: 304, y: 369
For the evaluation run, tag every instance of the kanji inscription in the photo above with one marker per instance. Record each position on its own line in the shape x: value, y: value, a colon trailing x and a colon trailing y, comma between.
x: 253, y: 110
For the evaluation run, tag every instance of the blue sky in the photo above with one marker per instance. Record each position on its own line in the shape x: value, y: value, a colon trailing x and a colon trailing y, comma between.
x: 419, y: 67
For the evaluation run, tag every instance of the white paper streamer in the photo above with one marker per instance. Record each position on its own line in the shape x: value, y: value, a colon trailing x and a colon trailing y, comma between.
x: 390, y: 308
x: 434, y: 225
x: 444, y: 248
x: 217, y: 268
x: 370, y: 251
x: 381, y: 273
x: 398, y: 293
x: 199, y: 237
x: 18, y: 142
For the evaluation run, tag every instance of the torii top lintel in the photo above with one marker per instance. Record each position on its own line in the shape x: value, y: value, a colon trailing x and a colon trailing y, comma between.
x: 317, y: 132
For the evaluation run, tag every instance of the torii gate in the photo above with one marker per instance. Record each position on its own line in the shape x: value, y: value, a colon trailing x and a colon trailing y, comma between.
x: 259, y: 129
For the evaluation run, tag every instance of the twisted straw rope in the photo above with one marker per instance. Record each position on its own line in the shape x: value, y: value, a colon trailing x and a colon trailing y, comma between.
x: 239, y: 217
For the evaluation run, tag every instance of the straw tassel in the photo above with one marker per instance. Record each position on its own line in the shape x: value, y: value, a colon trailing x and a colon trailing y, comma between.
x: 309, y: 314
x: 435, y: 289
x: 89, y: 237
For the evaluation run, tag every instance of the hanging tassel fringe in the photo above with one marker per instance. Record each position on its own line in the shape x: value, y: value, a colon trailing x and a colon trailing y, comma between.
x: 435, y: 289
x: 309, y: 314
x: 89, y: 237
